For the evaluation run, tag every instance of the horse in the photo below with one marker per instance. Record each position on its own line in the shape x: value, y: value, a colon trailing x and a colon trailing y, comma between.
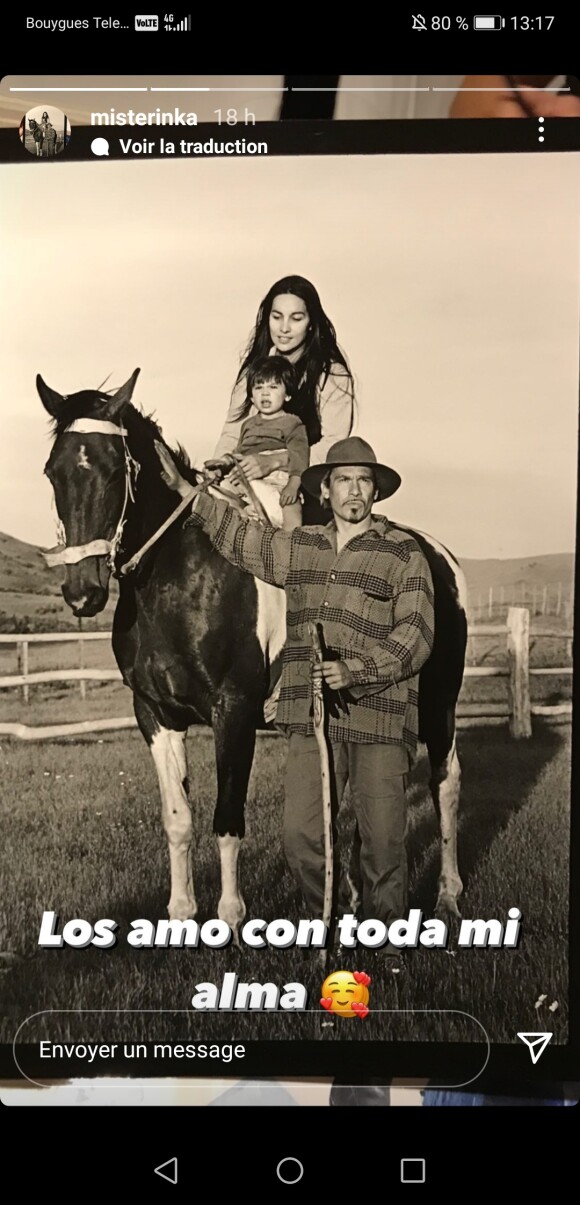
x: 195, y: 638
x: 37, y: 134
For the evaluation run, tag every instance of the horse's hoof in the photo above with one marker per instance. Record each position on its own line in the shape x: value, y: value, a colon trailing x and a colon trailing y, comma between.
x: 182, y: 910
x: 446, y: 908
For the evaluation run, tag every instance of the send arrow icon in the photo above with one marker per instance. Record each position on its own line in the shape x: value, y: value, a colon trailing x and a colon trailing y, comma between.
x: 536, y: 1043
x: 167, y: 1171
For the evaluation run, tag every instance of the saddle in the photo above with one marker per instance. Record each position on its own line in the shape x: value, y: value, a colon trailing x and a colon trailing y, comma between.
x: 248, y: 500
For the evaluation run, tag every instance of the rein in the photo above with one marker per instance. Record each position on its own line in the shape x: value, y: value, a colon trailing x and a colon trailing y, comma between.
x: 63, y: 555
x: 206, y: 485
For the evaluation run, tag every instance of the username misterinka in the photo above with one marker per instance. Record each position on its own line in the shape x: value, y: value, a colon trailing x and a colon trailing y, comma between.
x: 156, y: 117
x: 249, y: 997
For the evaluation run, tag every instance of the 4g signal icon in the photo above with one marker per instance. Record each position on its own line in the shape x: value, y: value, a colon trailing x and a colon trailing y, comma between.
x: 172, y: 26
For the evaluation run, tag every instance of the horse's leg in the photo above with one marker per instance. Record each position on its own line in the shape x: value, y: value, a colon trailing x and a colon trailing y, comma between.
x: 445, y: 784
x: 439, y: 687
x: 234, y: 728
x: 167, y: 747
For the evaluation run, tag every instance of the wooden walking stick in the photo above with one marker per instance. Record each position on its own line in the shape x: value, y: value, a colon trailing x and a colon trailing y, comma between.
x: 318, y: 719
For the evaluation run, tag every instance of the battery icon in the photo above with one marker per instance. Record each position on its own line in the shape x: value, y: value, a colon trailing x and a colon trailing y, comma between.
x: 488, y: 22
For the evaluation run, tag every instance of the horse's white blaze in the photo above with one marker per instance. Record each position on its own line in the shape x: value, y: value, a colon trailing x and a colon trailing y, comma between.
x: 271, y: 625
x: 168, y: 751
x: 231, y: 907
x: 450, y: 885
x: 82, y: 458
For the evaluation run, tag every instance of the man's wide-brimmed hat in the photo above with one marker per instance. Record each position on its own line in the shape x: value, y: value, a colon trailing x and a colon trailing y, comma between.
x: 352, y: 451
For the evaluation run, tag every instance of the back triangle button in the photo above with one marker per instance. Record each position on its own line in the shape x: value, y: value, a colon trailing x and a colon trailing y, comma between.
x: 167, y: 1170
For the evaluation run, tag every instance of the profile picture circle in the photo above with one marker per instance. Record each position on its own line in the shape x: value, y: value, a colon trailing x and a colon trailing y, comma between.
x: 44, y: 131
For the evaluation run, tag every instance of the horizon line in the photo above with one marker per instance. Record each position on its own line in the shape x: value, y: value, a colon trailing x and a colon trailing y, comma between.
x: 515, y: 557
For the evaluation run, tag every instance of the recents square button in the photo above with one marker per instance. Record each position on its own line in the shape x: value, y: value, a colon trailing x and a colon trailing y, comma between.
x: 412, y: 1171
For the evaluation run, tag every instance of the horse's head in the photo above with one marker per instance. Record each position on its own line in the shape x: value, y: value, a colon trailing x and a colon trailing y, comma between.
x: 90, y: 470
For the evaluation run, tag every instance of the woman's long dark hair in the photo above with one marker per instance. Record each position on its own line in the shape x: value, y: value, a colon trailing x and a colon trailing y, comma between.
x: 320, y: 350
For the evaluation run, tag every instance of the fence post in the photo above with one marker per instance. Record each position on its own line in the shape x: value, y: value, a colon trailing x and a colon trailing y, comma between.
x: 490, y: 603
x: 82, y: 683
x: 559, y: 602
x: 22, y: 648
x: 518, y: 650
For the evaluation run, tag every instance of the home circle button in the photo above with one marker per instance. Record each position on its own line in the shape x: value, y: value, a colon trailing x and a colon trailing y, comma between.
x: 290, y: 1171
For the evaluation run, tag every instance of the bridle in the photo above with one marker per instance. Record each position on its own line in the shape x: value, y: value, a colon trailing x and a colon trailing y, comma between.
x: 63, y: 555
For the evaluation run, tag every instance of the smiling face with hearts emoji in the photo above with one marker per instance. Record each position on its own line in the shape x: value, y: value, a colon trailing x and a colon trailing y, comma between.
x: 346, y: 993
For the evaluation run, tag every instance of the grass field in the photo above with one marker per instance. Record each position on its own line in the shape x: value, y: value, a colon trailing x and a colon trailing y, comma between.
x: 83, y: 837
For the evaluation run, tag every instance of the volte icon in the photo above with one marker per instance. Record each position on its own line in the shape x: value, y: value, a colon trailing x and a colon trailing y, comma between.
x: 536, y: 1043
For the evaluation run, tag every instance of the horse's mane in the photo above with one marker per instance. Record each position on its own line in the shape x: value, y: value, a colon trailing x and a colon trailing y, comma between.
x: 94, y: 403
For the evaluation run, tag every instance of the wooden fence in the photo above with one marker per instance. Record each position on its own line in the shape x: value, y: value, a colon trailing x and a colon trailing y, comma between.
x: 518, y: 709
x: 82, y: 675
x: 493, y: 602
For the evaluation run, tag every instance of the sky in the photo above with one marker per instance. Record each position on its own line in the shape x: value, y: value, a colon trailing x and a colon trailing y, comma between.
x: 452, y: 282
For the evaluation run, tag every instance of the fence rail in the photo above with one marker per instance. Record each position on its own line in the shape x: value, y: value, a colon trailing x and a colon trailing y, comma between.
x: 518, y: 709
x: 53, y: 637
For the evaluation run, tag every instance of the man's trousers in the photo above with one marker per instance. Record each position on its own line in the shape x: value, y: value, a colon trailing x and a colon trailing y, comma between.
x: 376, y: 775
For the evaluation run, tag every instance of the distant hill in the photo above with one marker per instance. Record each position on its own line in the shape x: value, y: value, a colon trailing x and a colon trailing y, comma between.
x: 542, y: 584
x: 30, y: 593
x: 521, y: 572
x: 31, y: 598
x: 23, y: 569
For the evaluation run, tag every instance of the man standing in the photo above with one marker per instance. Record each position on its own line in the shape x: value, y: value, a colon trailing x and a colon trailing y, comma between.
x: 50, y: 139
x: 368, y: 586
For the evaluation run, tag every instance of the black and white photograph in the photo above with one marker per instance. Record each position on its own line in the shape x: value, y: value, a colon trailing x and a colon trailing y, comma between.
x: 288, y: 495
x: 45, y: 131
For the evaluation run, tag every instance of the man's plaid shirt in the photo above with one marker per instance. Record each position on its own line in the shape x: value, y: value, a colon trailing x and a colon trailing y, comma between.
x: 373, y: 602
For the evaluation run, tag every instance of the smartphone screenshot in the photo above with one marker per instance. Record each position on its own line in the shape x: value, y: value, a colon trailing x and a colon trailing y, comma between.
x: 288, y: 516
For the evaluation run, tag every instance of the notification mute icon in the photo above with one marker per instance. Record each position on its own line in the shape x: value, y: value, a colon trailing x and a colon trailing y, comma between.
x: 536, y: 1043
